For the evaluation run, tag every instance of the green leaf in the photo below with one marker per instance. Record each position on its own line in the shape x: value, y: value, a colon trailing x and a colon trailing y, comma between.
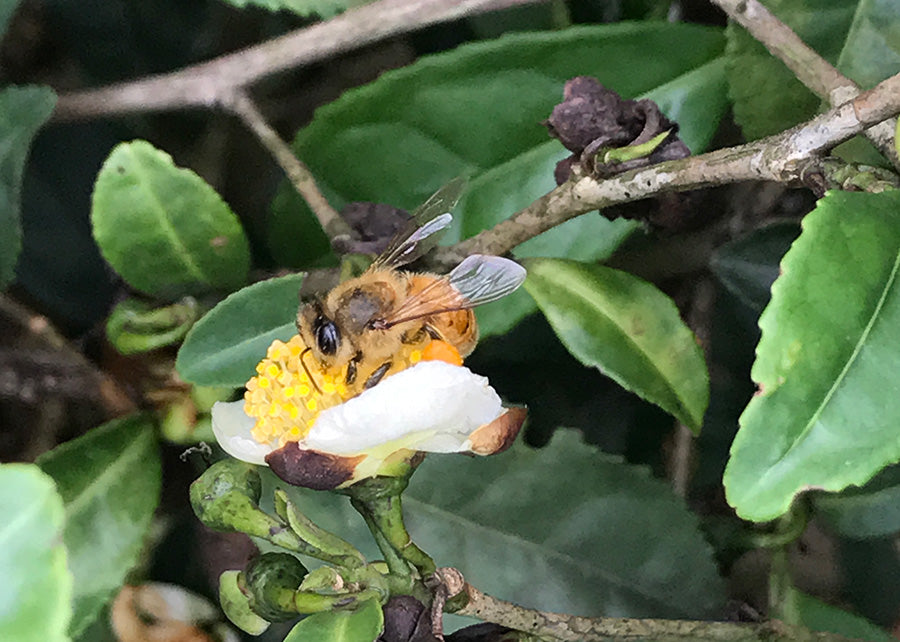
x: 323, y: 8
x: 859, y: 36
x: 7, y: 9
x: 364, y: 624
x: 135, y: 326
x: 477, y: 111
x: 870, y: 511
x: 223, y: 348
x: 628, y: 329
x: 748, y: 266
x: 22, y: 112
x: 825, y: 416
x: 871, y: 51
x: 109, y: 480
x: 163, y: 228
x: 36, y: 590
x: 603, y: 537
x: 819, y: 616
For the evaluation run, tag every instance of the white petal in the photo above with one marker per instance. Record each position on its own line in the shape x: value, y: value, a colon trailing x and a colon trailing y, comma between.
x: 232, y: 426
x: 432, y: 406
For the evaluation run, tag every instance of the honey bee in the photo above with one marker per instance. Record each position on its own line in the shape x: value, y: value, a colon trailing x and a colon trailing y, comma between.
x: 364, y: 322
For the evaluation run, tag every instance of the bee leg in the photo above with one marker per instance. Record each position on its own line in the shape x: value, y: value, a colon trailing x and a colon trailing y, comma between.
x: 418, y: 335
x: 432, y: 332
x: 351, y: 368
x: 376, y: 376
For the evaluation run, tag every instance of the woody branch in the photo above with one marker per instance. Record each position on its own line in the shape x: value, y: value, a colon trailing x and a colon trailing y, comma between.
x: 790, y: 157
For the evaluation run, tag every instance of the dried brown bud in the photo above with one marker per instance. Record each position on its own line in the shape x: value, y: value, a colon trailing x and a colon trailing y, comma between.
x: 593, y: 119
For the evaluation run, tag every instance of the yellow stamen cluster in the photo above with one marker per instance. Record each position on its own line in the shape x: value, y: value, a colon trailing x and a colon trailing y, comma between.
x: 282, y: 397
x: 286, y: 403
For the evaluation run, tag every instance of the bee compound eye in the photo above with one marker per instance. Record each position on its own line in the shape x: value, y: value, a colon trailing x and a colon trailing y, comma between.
x: 327, y: 335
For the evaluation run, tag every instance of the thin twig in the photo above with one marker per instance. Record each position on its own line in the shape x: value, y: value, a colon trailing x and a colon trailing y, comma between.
x: 699, y: 319
x: 819, y: 75
x: 574, y: 628
x: 788, y: 157
x: 208, y: 84
x: 242, y: 106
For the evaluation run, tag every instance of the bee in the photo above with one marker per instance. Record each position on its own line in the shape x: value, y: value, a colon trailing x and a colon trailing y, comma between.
x: 364, y: 322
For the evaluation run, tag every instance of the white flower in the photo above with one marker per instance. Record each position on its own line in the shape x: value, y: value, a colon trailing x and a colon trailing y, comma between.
x: 432, y: 406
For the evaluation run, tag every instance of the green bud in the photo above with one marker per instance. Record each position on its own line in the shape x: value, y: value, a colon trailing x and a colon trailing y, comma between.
x: 236, y: 605
x: 272, y: 581
x: 226, y: 497
x: 324, y: 578
x: 134, y: 326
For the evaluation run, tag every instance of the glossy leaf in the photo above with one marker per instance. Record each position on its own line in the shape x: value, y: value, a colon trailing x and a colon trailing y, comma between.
x: 36, y: 590
x: 626, y: 328
x: 871, y: 51
x: 163, y: 228
x: 605, y: 538
x: 748, y: 266
x: 825, y: 415
x: 363, y: 624
x: 109, y: 480
x: 322, y: 8
x: 819, y: 616
x: 588, y: 525
x: 22, y: 112
x: 477, y: 111
x: 872, y: 510
x: 223, y: 348
x: 858, y: 36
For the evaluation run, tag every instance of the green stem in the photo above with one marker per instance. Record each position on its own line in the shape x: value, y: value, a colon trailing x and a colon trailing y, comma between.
x: 308, y: 603
x: 790, y: 527
x: 395, y: 563
x: 386, y: 513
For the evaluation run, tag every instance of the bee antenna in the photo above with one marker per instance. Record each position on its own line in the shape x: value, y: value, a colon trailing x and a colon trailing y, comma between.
x: 308, y: 373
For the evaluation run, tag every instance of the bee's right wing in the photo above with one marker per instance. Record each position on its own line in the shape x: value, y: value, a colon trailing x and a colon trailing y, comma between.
x: 429, y: 218
x: 482, y: 278
x: 478, y: 279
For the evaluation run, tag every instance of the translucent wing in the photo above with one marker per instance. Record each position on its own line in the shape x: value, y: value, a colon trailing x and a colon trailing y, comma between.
x: 420, y: 235
x: 482, y: 279
x: 478, y: 279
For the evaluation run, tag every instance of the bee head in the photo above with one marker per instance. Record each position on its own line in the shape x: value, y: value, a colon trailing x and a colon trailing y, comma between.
x: 322, y: 335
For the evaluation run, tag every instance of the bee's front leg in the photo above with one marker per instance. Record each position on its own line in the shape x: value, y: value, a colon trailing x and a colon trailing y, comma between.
x: 377, y: 376
x: 351, y: 368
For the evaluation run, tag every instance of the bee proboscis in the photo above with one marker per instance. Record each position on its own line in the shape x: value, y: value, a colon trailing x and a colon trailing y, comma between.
x: 362, y: 323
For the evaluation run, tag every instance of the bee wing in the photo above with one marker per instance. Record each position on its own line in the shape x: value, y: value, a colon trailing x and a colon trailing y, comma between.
x: 481, y: 278
x: 430, y: 217
x: 478, y: 279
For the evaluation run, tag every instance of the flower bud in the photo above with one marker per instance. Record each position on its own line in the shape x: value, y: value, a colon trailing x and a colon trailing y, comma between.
x: 226, y: 497
x: 272, y: 580
x: 236, y: 604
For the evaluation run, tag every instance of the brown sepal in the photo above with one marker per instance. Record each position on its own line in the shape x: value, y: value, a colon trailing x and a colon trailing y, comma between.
x: 498, y: 435
x: 312, y: 468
